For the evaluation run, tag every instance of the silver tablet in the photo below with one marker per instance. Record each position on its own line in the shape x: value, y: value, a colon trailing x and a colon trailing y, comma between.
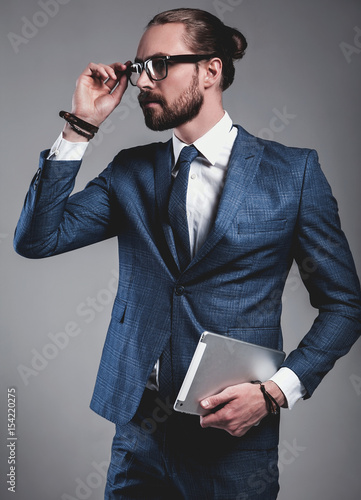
x: 219, y: 362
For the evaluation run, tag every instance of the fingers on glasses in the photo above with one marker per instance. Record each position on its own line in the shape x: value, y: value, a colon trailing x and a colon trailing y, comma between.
x: 108, y: 75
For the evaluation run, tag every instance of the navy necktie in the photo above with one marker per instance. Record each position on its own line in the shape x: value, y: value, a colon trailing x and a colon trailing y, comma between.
x: 177, y: 205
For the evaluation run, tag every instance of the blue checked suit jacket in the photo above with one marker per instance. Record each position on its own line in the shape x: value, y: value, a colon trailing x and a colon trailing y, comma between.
x: 276, y: 206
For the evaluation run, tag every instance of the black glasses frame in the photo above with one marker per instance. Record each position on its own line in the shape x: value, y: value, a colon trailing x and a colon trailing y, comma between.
x: 138, y: 67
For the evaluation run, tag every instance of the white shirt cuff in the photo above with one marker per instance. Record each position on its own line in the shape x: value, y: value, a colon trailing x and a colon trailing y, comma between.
x: 66, y: 150
x: 290, y: 385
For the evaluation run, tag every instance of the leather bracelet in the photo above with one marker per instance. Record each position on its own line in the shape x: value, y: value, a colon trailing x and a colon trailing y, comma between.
x: 72, y: 119
x: 81, y: 132
x: 272, y: 406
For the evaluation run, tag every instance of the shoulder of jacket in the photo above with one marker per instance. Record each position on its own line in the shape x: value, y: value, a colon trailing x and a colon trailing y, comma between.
x: 277, y: 149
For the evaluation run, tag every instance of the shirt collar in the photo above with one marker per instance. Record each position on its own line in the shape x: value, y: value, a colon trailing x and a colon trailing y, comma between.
x: 211, y: 143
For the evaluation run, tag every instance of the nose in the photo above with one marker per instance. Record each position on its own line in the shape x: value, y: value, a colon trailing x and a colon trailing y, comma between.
x: 144, y: 81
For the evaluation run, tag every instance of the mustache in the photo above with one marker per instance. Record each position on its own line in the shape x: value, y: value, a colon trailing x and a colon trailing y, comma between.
x: 148, y: 96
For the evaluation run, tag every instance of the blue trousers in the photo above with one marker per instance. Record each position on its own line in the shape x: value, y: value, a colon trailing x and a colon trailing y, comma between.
x: 164, y: 455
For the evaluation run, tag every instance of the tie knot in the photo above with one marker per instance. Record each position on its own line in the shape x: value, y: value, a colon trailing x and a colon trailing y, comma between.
x: 188, y: 154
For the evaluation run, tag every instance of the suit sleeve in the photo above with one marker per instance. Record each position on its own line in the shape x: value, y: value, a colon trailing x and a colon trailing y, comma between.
x: 328, y: 272
x: 52, y: 221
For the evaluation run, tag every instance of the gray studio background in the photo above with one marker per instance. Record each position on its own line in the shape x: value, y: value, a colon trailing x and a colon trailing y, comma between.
x: 299, y: 84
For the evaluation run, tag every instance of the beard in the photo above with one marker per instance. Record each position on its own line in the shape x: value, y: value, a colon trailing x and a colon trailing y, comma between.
x: 182, y: 110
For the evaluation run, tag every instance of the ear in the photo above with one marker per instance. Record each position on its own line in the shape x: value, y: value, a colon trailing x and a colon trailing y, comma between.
x: 213, y: 72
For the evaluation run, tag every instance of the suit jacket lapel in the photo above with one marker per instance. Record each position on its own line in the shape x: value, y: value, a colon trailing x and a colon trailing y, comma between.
x: 244, y: 162
x: 163, y: 173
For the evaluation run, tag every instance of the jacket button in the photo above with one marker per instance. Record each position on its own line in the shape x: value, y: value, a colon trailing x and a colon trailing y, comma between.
x: 179, y: 290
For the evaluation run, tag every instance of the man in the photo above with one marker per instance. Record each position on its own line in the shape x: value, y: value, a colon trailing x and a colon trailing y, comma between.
x: 212, y: 254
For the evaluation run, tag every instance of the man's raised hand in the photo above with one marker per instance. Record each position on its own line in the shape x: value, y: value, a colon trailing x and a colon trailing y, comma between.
x: 99, y: 89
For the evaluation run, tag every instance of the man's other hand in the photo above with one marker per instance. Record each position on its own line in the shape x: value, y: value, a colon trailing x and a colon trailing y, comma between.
x: 241, y: 407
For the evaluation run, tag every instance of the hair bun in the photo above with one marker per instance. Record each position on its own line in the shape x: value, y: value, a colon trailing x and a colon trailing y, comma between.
x: 239, y: 43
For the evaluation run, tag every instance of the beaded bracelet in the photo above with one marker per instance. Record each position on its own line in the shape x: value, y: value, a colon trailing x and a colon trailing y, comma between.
x: 273, y: 407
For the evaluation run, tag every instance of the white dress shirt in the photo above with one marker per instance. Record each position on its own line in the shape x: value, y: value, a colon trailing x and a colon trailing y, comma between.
x: 206, y: 180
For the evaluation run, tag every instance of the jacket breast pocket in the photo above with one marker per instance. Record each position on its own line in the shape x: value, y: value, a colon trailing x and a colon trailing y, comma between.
x: 268, y: 240
x: 262, y: 226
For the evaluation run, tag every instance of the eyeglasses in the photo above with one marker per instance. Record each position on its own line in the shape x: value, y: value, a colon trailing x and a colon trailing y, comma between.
x: 157, y: 67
